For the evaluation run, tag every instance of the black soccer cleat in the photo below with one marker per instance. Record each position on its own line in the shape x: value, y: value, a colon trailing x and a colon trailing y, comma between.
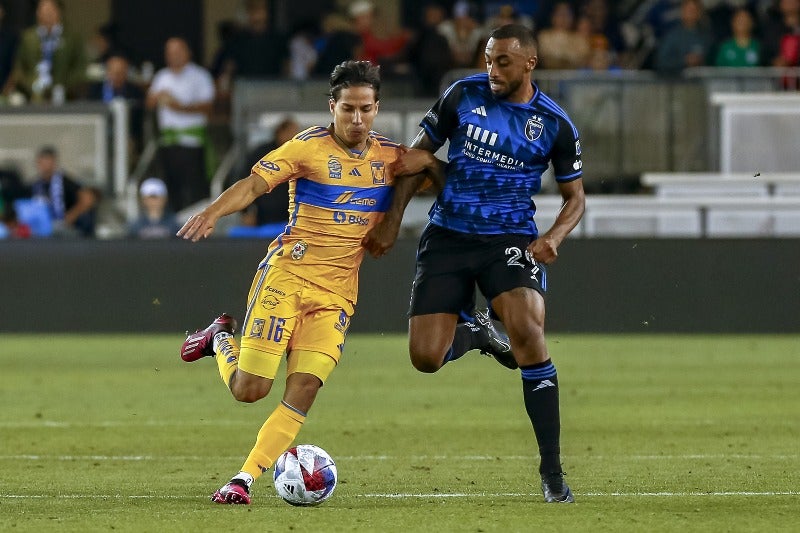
x: 555, y: 489
x: 499, y: 346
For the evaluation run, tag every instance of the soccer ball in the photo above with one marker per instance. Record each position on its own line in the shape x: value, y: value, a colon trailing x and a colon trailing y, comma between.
x: 305, y: 475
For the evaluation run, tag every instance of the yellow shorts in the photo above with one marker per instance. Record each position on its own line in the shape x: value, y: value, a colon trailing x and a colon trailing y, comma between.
x: 288, y: 314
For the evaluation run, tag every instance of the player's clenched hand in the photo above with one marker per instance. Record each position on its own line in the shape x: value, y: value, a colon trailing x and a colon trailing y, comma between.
x: 197, y: 227
x: 544, y: 250
x: 411, y: 161
x: 381, y: 237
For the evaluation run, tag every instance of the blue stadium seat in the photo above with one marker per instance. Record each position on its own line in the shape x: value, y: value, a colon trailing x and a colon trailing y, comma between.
x: 36, y: 215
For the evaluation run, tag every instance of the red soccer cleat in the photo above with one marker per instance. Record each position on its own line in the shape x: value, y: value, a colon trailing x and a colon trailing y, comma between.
x: 201, y: 342
x: 232, y: 493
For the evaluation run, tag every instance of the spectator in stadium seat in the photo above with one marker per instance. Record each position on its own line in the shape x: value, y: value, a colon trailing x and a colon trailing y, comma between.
x: 781, y: 35
x: 183, y: 94
x: 337, y: 43
x: 302, y: 53
x: 688, y: 44
x: 103, y: 43
x: 429, y: 51
x: 156, y: 220
x: 601, y: 57
x: 645, y: 24
x: 117, y: 84
x: 464, y: 35
x: 742, y: 49
x: 503, y: 13
x: 659, y: 16
x: 49, y: 56
x: 71, y: 205
x: 249, y: 51
x: 8, y: 47
x: 386, y: 50
x: 603, y: 25
x: 257, y: 51
x: 560, y: 45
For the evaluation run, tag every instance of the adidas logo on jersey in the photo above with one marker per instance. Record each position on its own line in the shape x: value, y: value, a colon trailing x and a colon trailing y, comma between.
x: 355, y: 172
x: 480, y: 110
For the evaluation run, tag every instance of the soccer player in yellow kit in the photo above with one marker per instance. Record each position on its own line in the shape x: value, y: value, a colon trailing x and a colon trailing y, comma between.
x: 304, y: 291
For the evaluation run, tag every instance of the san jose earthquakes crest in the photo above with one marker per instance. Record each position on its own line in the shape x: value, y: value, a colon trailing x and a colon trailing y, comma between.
x: 534, y: 128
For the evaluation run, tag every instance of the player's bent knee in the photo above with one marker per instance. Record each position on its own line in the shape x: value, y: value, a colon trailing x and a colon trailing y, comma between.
x: 250, y: 391
x: 427, y: 355
x: 426, y: 362
x: 247, y: 395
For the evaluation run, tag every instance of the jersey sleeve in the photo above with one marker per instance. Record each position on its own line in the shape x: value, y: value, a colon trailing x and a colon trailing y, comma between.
x: 281, y: 164
x: 566, y: 153
x: 440, y: 121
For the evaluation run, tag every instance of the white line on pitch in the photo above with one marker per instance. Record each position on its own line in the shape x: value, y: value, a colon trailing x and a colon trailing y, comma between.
x: 96, y: 496
x: 591, y: 494
x: 37, y: 457
x: 123, y: 423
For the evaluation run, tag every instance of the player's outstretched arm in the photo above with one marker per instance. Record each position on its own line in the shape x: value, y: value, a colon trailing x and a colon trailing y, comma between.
x: 381, y: 237
x: 235, y: 198
x: 419, y: 159
x: 545, y: 248
x: 410, y: 171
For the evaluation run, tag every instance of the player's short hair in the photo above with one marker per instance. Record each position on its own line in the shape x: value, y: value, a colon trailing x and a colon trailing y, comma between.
x: 519, y: 32
x: 355, y: 74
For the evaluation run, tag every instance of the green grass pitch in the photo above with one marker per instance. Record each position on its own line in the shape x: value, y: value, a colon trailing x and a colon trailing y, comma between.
x: 659, y: 433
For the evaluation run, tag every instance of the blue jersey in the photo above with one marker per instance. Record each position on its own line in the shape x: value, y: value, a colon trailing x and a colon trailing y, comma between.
x: 498, y: 152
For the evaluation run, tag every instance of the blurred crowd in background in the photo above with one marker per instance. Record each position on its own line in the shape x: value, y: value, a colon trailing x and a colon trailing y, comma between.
x: 45, y: 61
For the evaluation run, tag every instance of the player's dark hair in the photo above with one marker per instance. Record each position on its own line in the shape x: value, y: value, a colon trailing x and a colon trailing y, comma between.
x: 519, y: 32
x: 355, y: 74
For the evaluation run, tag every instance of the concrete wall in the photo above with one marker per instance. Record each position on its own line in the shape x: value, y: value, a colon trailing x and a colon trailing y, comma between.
x: 598, y: 285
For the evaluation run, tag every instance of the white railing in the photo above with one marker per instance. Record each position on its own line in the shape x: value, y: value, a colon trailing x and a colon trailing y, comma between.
x: 657, y: 217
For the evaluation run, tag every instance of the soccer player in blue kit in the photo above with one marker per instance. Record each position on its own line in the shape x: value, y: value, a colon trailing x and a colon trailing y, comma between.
x: 503, y: 132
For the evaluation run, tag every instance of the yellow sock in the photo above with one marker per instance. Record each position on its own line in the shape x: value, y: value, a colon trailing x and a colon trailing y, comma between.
x: 227, y: 358
x: 274, y: 438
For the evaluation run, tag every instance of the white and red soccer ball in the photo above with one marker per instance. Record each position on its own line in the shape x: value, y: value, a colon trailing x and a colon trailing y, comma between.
x: 305, y: 475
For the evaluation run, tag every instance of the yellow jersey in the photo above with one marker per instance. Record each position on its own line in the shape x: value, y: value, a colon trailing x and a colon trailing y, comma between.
x: 335, y: 197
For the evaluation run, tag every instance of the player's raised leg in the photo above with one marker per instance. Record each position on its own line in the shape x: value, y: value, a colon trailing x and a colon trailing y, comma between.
x: 497, y: 344
x: 217, y: 341
x: 438, y: 338
x: 201, y: 343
